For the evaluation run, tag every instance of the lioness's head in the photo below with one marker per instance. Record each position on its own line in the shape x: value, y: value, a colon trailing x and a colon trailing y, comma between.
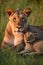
x: 18, y: 18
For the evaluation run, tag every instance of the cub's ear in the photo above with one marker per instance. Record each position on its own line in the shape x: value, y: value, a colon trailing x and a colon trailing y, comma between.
x: 9, y: 12
x: 27, y: 11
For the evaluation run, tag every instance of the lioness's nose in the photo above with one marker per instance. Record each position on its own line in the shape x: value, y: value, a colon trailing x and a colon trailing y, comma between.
x: 19, y: 27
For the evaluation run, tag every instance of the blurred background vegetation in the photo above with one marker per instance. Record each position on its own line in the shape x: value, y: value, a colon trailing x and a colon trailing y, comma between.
x: 36, y: 19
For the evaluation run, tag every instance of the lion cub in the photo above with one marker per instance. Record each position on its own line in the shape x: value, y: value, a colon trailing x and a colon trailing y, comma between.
x: 32, y: 45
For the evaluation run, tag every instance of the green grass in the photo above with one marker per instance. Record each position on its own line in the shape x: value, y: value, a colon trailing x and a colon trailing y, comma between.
x: 9, y: 57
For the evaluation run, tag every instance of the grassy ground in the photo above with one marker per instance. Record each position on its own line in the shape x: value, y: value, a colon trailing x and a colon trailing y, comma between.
x: 36, y: 18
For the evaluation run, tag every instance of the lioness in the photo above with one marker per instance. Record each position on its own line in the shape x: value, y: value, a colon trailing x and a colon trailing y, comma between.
x: 14, y: 32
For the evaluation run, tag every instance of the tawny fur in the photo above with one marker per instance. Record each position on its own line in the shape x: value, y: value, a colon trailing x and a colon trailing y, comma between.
x: 32, y: 48
x: 17, y: 22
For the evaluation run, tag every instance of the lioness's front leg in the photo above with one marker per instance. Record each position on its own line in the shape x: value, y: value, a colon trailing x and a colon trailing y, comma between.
x: 7, y: 41
x: 28, y: 48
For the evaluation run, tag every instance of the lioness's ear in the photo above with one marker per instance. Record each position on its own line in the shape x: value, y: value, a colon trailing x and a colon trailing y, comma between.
x: 9, y: 12
x: 27, y: 11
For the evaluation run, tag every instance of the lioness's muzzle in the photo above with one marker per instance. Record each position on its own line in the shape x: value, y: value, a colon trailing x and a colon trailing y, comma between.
x: 19, y: 27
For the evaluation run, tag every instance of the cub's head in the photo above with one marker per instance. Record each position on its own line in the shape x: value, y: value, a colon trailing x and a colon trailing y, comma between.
x: 18, y: 18
x: 29, y: 37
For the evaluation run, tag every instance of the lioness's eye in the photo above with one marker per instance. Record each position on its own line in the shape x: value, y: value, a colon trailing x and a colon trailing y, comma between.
x: 23, y: 19
x: 14, y: 19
